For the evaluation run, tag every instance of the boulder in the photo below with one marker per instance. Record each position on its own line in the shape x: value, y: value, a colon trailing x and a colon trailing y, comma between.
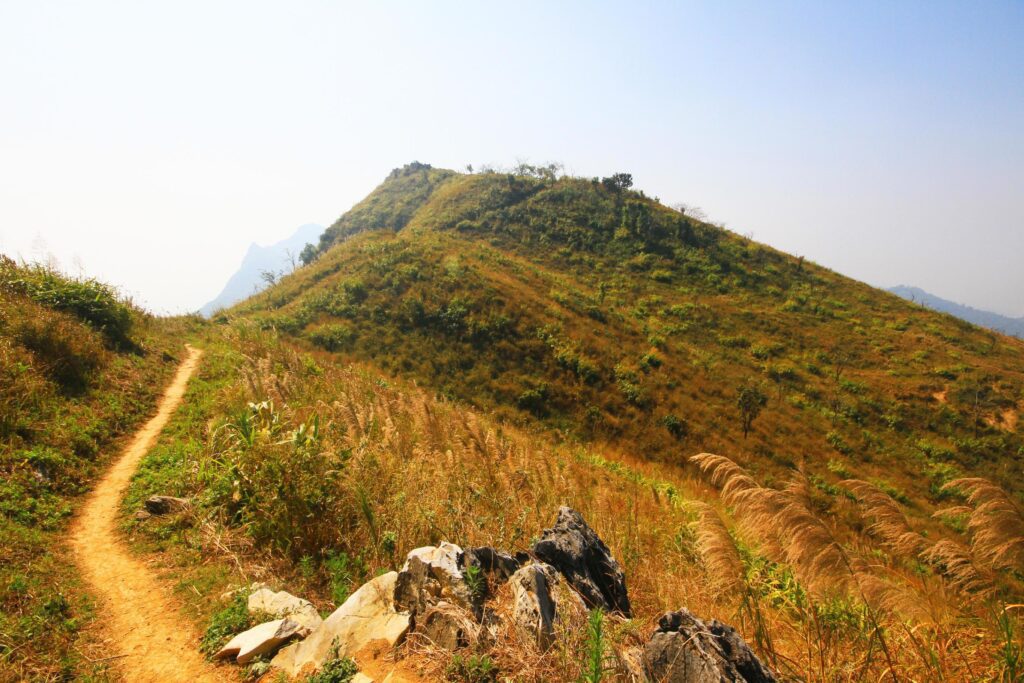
x: 539, y: 597
x: 448, y: 627
x: 368, y: 615
x: 163, y: 505
x: 430, y: 575
x: 685, y: 649
x: 574, y: 549
x: 259, y: 640
x: 281, y: 604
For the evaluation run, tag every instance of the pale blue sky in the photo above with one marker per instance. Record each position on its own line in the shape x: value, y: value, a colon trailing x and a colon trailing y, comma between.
x: 152, y: 142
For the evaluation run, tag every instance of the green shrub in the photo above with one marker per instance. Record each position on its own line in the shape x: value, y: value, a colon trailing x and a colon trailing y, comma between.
x: 333, y: 337
x: 335, y: 670
x: 472, y: 669
x: 224, y: 624
x: 90, y: 300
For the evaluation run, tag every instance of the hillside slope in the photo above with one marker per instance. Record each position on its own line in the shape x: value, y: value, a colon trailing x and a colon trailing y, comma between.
x: 993, y: 321
x: 79, y: 368
x: 612, y: 318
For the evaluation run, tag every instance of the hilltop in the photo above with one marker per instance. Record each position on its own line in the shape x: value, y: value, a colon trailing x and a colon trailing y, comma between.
x: 593, y: 309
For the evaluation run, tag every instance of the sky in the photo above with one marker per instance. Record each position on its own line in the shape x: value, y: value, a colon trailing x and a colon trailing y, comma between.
x: 149, y: 143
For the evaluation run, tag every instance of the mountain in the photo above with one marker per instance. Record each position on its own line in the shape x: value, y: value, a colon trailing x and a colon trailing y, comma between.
x: 465, y: 354
x: 593, y: 310
x: 993, y: 321
x: 248, y: 279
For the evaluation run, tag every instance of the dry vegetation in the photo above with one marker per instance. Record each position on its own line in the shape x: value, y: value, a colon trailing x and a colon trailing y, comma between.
x: 324, y: 474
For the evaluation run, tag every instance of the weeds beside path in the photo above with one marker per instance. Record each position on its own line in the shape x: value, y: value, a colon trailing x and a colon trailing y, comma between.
x: 147, y: 638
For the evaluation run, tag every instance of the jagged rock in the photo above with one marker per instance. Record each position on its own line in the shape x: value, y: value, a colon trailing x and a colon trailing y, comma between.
x: 540, y: 598
x: 368, y: 615
x: 162, y: 505
x: 574, y: 549
x: 494, y: 562
x: 259, y: 640
x: 447, y: 626
x: 281, y: 604
x: 432, y: 574
x: 685, y: 649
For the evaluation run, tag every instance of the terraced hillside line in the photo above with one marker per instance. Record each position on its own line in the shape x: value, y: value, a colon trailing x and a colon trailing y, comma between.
x: 146, y: 637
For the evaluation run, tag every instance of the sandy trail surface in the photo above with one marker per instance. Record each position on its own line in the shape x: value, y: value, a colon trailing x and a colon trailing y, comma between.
x: 139, y: 621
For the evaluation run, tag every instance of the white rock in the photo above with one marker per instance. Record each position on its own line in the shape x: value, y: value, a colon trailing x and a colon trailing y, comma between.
x: 259, y: 640
x: 281, y: 604
x: 368, y: 615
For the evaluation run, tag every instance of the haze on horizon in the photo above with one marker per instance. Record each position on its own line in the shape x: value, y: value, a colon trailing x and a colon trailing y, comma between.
x: 152, y: 143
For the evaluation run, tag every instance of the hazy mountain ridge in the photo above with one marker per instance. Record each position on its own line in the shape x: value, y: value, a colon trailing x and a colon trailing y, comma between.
x: 248, y: 280
x: 993, y: 321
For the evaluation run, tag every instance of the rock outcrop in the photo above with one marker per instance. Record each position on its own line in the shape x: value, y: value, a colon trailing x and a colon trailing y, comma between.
x: 259, y: 640
x: 368, y: 615
x: 574, y: 549
x: 163, y: 505
x: 540, y: 596
x: 281, y: 604
x: 685, y: 649
x: 432, y: 574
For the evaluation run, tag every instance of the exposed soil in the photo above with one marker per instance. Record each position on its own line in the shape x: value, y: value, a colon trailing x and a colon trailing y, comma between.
x: 139, y: 622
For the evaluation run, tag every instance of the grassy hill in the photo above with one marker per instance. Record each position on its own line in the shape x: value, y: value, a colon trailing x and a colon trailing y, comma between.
x: 79, y: 368
x: 612, y: 318
x: 467, y: 352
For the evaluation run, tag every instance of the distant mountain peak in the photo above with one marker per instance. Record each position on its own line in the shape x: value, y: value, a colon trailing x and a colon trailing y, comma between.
x: 993, y: 321
x: 258, y: 258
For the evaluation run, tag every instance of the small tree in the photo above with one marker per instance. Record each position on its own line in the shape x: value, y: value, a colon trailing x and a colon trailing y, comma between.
x: 618, y: 182
x: 308, y: 254
x: 750, y: 400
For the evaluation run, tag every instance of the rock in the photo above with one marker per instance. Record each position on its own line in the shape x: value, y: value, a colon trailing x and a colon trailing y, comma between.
x: 573, y: 548
x: 430, y: 575
x: 448, y: 627
x: 259, y: 640
x: 368, y: 615
x: 281, y: 604
x: 539, y: 596
x: 162, y: 505
x: 494, y: 562
x: 142, y: 515
x: 685, y: 649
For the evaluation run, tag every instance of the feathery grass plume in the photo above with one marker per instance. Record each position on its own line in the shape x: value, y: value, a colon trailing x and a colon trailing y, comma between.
x: 995, y: 522
x: 888, y: 523
x: 718, y: 551
x: 957, y: 564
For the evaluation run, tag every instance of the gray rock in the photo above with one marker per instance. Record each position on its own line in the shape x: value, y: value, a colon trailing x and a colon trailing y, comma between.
x: 494, y: 562
x: 430, y: 575
x: 281, y: 604
x: 259, y: 640
x: 685, y: 649
x: 540, y: 596
x: 574, y: 549
x: 163, y: 505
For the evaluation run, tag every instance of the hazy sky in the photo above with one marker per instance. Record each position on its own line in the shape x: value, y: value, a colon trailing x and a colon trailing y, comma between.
x: 152, y: 142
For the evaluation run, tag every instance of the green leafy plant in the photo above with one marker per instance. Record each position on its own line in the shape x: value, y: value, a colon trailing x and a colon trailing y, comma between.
x: 472, y: 669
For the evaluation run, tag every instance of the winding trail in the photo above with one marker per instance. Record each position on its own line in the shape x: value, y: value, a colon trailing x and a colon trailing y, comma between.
x: 146, y: 636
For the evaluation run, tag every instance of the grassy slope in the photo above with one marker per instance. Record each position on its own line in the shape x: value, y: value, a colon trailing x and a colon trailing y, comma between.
x: 80, y: 370
x: 618, y: 320
x: 315, y: 476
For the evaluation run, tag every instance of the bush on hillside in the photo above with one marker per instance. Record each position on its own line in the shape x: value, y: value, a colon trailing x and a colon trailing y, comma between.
x: 87, y: 299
